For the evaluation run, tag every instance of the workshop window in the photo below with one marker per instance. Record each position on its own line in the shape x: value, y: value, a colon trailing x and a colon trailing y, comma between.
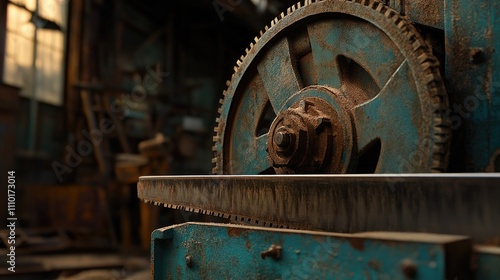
x: 18, y: 69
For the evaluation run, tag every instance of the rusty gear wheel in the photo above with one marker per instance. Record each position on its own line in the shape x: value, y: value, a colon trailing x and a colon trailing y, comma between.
x: 334, y: 86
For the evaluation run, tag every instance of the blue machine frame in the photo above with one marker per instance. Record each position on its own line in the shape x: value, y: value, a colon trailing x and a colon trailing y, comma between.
x: 222, y: 251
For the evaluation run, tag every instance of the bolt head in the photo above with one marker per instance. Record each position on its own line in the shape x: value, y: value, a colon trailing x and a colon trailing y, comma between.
x: 282, y: 139
x: 189, y: 261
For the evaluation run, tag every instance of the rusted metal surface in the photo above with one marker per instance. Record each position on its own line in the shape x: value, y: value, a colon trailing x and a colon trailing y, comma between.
x: 472, y: 71
x: 215, y: 253
x: 308, y: 137
x: 465, y: 204
x: 425, y: 12
x: 367, y: 52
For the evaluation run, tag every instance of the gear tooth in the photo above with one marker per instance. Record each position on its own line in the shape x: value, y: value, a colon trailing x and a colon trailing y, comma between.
x: 294, y: 8
x: 299, y: 5
x: 289, y: 11
x: 389, y: 13
x: 282, y: 15
x: 251, y: 45
x: 214, y: 160
x: 261, y: 33
x: 242, y: 57
x: 214, y: 148
x: 228, y: 82
x: 256, y: 39
x: 247, y: 50
x: 238, y: 62
x: 235, y: 68
x: 266, y: 28
x: 221, y: 101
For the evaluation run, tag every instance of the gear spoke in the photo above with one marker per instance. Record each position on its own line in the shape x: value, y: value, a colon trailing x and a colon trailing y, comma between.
x: 279, y: 73
x: 397, y: 104
x: 251, y: 157
x: 324, y: 55
x: 356, y: 40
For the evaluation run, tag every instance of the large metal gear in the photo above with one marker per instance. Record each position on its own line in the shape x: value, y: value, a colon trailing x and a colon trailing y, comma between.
x: 334, y: 87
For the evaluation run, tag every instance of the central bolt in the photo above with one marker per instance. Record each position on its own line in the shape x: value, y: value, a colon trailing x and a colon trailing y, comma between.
x: 282, y: 139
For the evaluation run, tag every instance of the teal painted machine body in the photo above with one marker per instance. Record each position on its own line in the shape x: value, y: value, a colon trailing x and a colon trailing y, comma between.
x: 472, y: 72
x: 223, y: 251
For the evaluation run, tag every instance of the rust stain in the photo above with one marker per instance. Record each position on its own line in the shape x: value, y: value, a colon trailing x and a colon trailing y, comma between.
x: 234, y: 232
x: 357, y: 243
x: 375, y: 264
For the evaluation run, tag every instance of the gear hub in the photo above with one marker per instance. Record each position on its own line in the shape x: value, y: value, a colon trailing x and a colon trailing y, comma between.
x: 306, y: 137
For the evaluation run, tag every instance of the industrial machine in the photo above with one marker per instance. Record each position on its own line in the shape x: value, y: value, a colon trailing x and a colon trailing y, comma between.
x: 353, y: 142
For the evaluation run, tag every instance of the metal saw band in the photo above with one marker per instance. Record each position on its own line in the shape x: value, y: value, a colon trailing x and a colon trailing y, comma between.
x: 464, y: 204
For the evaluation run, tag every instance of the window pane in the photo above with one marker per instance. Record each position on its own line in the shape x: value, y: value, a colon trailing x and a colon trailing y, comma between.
x: 50, y: 49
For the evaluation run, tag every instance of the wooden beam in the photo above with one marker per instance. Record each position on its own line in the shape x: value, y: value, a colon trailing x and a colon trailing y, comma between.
x: 73, y: 62
x: 3, y: 33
